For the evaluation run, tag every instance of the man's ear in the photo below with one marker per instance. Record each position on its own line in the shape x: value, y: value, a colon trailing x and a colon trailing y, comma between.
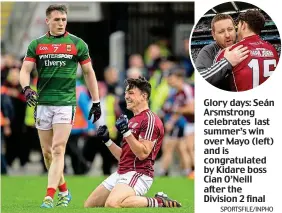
x: 244, y: 25
x: 213, y: 35
x: 145, y: 96
x: 47, y: 21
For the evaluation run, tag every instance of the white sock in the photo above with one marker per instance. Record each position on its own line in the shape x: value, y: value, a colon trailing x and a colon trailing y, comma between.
x: 64, y: 193
x: 48, y: 197
x: 162, y: 172
x: 152, y: 202
x: 186, y: 172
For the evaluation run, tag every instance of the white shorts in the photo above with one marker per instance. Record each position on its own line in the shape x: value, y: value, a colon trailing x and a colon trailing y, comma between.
x: 139, y: 182
x: 46, y: 116
x: 189, y: 129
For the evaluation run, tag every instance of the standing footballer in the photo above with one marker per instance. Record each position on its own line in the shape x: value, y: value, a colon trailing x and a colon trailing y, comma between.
x: 142, y: 138
x: 56, y: 55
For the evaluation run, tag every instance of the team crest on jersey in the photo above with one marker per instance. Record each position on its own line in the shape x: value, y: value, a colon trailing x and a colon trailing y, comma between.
x: 68, y: 47
x: 134, y: 125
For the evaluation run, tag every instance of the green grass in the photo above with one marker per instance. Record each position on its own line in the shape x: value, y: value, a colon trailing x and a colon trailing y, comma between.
x: 25, y: 194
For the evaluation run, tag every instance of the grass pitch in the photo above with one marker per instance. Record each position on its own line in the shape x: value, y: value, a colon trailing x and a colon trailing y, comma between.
x: 25, y: 194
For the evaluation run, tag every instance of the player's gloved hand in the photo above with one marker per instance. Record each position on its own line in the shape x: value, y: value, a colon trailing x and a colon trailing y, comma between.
x: 96, y: 111
x: 103, y: 132
x: 122, y: 125
x: 30, y: 95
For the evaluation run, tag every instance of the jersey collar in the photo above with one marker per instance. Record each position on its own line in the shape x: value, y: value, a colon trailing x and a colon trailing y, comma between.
x: 59, y: 36
x: 145, y: 110
x: 251, y: 37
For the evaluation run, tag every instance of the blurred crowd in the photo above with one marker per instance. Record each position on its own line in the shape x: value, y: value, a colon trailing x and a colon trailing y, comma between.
x: 205, y: 22
x: 19, y: 137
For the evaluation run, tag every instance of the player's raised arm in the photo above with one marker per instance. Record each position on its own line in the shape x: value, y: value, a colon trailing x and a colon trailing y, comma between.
x: 90, y: 79
x: 142, y: 147
x: 103, y: 132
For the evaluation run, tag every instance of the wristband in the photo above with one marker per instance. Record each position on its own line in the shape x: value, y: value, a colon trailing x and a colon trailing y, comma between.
x: 25, y: 88
x: 109, y: 143
x: 95, y: 102
x: 126, y: 134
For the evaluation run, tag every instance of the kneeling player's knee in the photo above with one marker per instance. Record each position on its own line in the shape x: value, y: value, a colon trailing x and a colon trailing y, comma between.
x: 58, y: 149
x: 112, y: 204
x: 87, y: 204
x: 93, y: 202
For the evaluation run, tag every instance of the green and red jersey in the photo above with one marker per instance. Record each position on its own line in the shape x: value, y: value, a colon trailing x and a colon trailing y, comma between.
x: 56, y: 59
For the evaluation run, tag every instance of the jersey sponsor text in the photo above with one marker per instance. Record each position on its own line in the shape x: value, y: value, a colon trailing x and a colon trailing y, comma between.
x: 47, y: 56
x: 49, y: 63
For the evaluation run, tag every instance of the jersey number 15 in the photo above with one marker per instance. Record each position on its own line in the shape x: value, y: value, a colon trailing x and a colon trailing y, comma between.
x: 255, y: 66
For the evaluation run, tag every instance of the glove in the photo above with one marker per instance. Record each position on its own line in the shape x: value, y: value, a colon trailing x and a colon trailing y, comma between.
x: 30, y: 96
x: 96, y: 111
x: 103, y: 132
x: 122, y: 125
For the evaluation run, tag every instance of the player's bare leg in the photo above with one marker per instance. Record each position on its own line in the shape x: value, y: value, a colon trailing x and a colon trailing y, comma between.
x: 124, y: 196
x: 46, y: 138
x: 119, y: 194
x: 185, y: 157
x: 61, y: 134
x: 47, y: 142
x: 98, y: 197
x: 168, y: 151
x: 190, y: 146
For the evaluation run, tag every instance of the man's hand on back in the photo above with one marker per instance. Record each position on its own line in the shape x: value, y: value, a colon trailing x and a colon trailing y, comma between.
x: 237, y: 55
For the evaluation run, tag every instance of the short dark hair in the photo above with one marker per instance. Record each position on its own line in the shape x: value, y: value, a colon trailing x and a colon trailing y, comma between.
x: 140, y: 83
x: 219, y: 17
x: 60, y: 7
x: 254, y: 19
x: 177, y: 71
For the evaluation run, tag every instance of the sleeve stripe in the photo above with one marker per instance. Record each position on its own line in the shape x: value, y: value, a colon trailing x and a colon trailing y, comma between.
x: 29, y: 59
x: 146, y: 134
x: 217, y: 55
x: 213, y: 68
x: 149, y: 124
x: 85, y: 61
x: 217, y: 70
x: 150, y: 127
x: 153, y: 123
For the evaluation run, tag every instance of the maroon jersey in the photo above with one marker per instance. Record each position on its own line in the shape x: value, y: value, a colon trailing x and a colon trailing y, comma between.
x: 148, y: 126
x: 183, y: 97
x: 256, y: 69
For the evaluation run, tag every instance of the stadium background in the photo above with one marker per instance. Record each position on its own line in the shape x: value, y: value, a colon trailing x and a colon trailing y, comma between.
x: 157, y: 32
x: 201, y: 34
